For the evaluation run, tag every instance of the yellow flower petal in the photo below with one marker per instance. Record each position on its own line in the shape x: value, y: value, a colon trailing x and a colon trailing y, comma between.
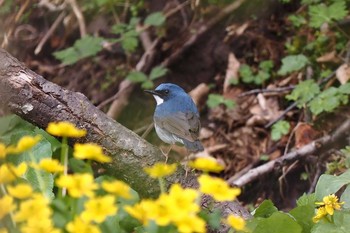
x: 51, y: 165
x: 207, y: 164
x: 99, y: 208
x: 217, y: 188
x: 90, y: 151
x: 118, y: 188
x: 9, y: 172
x: 160, y: 170
x: 20, y: 191
x: 7, y: 206
x: 24, y: 144
x: 3, y: 151
x: 80, y: 226
x: 78, y: 185
x: 65, y: 129
x: 236, y: 222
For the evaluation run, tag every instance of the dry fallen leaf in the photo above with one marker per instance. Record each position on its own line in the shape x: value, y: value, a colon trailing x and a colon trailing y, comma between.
x: 343, y: 73
x: 231, y: 71
x: 304, y: 134
x: 328, y: 57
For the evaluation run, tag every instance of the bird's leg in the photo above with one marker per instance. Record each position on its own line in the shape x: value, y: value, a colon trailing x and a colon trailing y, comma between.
x: 167, y: 153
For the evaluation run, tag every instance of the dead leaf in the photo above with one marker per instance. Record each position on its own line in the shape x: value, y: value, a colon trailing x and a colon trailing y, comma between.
x: 231, y: 71
x: 264, y: 111
x: 343, y: 73
x: 328, y: 57
x: 304, y: 134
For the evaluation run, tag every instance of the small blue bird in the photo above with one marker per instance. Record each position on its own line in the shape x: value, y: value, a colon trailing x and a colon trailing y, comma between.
x: 176, y: 118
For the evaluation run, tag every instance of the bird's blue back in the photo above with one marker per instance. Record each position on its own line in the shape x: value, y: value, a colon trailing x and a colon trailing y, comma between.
x: 177, y: 101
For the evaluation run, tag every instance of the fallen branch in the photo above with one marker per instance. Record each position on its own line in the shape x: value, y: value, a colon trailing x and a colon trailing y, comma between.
x: 39, y: 101
x: 335, y: 140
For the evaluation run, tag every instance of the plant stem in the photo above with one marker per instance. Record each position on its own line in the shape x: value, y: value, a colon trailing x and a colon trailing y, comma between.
x: 161, y: 185
x: 64, y: 161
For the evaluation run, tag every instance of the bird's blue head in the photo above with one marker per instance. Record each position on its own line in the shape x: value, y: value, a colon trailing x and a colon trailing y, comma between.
x: 166, y: 91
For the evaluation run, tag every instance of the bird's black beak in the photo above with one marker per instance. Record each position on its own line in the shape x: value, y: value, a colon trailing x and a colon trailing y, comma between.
x: 152, y: 92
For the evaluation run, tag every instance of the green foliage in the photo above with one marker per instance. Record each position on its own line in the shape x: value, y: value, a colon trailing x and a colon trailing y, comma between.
x: 85, y: 47
x: 276, y: 223
x: 293, y: 63
x: 128, y: 35
x: 265, y: 209
x: 262, y: 75
x: 328, y: 184
x: 155, y: 19
x: 215, y: 100
x: 147, y: 81
x: 11, y: 130
x: 279, y: 129
x: 328, y: 100
x: 321, y: 13
x: 297, y: 20
x: 304, y: 92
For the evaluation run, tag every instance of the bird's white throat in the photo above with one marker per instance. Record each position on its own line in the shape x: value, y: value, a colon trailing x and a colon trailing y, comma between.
x: 158, y: 100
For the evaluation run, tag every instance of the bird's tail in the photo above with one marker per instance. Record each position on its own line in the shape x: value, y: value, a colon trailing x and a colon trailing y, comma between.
x: 193, y: 146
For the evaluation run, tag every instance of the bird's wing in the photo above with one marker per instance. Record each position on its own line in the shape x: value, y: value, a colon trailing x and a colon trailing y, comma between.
x: 183, y: 125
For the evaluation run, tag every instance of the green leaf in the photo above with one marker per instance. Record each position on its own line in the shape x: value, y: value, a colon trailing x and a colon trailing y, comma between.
x: 79, y: 166
x: 266, y: 65
x: 306, y: 199
x: 213, y: 218
x: 246, y: 73
x: 320, y: 13
x: 278, y: 222
x: 215, y: 100
x: 297, y: 20
x: 129, y: 44
x: 340, y: 224
x: 345, y: 197
x: 148, y: 84
x: 155, y: 19
x: 82, y: 48
x: 261, y: 77
x: 279, y: 129
x: 304, y: 92
x: 157, y: 72
x: 329, y: 184
x: 303, y: 215
x: 327, y: 101
x: 265, y: 209
x: 136, y: 77
x: 293, y: 63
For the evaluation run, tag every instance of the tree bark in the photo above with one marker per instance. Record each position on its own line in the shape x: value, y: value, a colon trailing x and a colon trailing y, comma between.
x: 39, y: 101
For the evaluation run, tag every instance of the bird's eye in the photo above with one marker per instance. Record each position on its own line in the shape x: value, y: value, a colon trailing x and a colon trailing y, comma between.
x: 166, y: 91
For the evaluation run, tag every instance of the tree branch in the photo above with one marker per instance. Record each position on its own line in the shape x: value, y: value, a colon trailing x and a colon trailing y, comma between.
x: 335, y: 140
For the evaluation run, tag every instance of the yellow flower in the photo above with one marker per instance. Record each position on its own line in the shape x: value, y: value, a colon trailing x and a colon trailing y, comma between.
x: 9, y: 172
x: 321, y: 212
x: 217, y: 188
x: 183, y: 200
x: 78, y: 185
x: 24, y: 144
x: 7, y: 206
x: 206, y: 164
x: 3, y: 230
x: 51, y: 165
x: 118, y: 188
x: 235, y: 222
x: 42, y: 226
x: 99, y: 208
x: 2, y: 151
x: 159, y: 170
x: 191, y: 224
x: 79, y: 226
x: 65, y: 129
x: 33, y: 210
x: 90, y: 151
x: 141, y: 210
x: 331, y: 203
x: 20, y: 191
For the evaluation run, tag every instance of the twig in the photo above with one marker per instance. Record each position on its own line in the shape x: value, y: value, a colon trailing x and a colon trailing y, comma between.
x: 49, y: 33
x: 79, y: 16
x: 290, y: 107
x: 257, y: 91
x: 318, y: 146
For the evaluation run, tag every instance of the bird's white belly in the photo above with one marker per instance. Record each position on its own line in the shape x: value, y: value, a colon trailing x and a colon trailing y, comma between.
x: 167, y: 137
